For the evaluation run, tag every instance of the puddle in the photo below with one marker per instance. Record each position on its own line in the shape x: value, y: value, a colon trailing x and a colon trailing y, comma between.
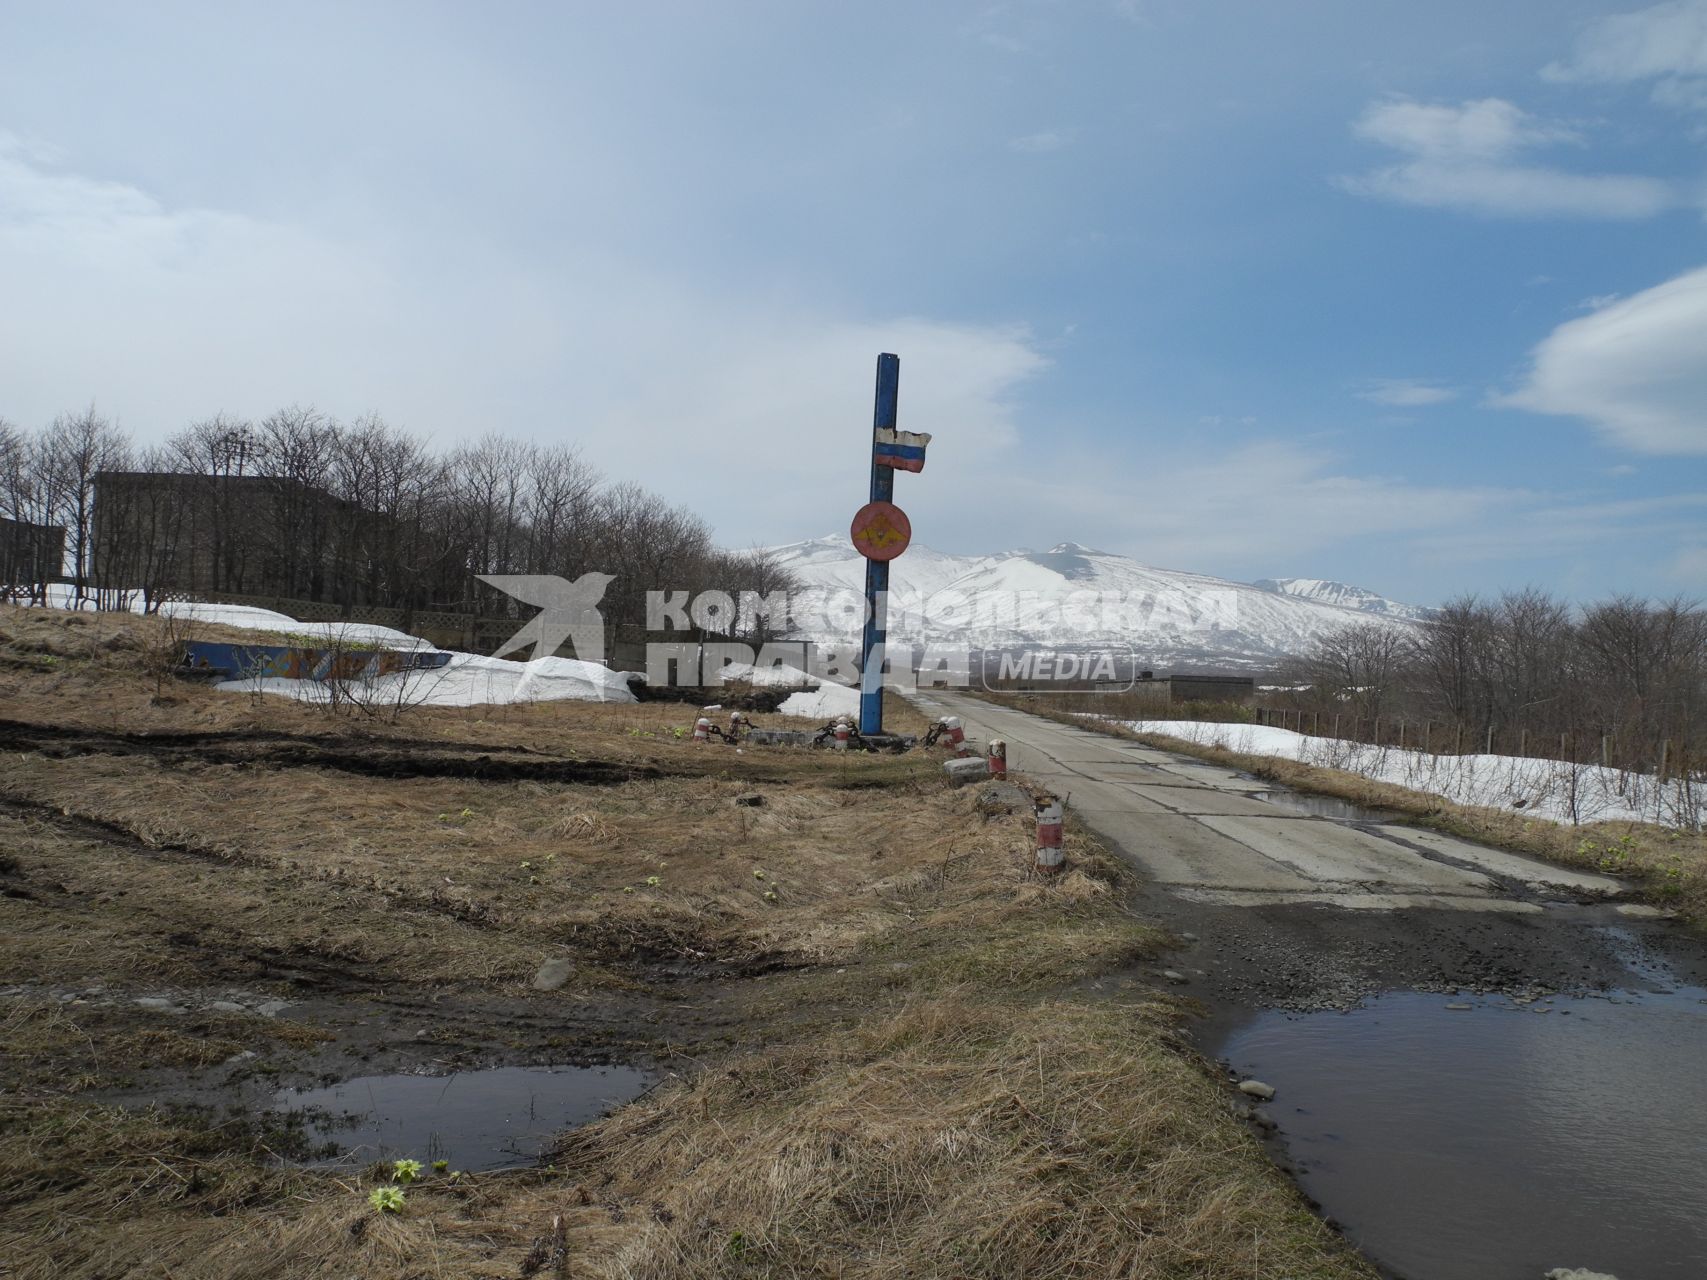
x: 1318, y: 806
x: 1498, y: 1142
x: 492, y: 1119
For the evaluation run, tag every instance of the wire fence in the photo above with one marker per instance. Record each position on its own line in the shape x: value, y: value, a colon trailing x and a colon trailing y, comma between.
x: 1576, y: 776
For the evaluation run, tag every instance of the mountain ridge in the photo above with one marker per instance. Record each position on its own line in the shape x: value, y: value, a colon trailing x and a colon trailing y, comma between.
x: 1074, y: 596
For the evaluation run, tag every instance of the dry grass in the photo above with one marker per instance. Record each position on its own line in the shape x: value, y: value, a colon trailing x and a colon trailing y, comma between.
x: 939, y: 1068
x: 951, y: 1138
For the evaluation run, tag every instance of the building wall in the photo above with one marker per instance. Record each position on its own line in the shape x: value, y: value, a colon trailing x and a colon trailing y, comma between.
x: 1239, y: 689
x: 30, y: 554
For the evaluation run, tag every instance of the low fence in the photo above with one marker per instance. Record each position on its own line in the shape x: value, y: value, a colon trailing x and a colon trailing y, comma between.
x: 1582, y: 777
x: 1662, y: 757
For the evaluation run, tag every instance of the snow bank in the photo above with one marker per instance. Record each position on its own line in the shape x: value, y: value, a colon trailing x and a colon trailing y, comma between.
x: 248, y: 618
x: 1556, y: 790
x: 823, y: 703
x: 819, y: 700
x: 468, y: 680
x: 780, y: 676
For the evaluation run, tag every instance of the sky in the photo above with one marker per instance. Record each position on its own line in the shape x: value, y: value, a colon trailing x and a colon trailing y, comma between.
x: 1412, y: 296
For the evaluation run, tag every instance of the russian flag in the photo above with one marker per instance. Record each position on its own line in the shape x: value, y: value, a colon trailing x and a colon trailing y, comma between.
x: 903, y: 450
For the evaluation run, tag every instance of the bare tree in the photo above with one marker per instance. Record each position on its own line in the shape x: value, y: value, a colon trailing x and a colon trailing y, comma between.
x: 72, y: 453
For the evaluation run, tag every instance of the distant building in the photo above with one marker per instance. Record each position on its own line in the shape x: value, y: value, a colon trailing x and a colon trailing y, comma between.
x: 30, y: 554
x: 1195, y: 688
x: 250, y: 535
x: 1189, y: 688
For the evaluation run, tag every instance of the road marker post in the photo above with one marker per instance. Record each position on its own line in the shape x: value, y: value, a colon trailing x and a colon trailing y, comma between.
x: 881, y: 532
x: 1050, y: 856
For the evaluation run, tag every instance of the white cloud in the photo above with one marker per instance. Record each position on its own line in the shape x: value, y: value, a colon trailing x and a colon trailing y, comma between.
x: 1634, y: 369
x: 1487, y: 129
x: 1406, y: 393
x: 1664, y: 40
x: 739, y: 407
x: 1284, y: 499
x: 1037, y: 143
x: 1467, y: 157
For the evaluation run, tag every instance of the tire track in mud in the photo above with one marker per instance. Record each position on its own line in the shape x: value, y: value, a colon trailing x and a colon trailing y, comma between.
x: 117, y: 835
x: 655, y: 954
x: 366, y: 757
x: 392, y: 758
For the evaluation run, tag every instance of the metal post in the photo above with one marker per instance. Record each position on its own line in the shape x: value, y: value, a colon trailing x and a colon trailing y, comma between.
x: 877, y: 571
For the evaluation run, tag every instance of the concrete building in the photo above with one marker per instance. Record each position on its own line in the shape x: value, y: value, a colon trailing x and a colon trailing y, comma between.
x: 30, y: 554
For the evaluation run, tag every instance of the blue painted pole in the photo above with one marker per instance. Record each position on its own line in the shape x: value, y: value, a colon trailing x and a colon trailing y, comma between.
x: 877, y: 571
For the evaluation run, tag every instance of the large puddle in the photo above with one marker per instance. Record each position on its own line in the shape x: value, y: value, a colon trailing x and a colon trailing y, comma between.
x: 1323, y: 806
x: 1498, y: 1141
x: 493, y: 1119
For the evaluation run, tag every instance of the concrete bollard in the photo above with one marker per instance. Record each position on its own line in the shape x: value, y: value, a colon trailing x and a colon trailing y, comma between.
x: 702, y: 729
x: 960, y: 772
x: 843, y: 731
x: 1050, y: 856
x: 737, y: 722
x: 996, y: 754
x: 953, y: 735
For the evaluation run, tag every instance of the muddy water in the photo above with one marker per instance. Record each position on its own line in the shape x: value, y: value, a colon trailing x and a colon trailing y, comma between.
x: 491, y: 1119
x: 1321, y: 806
x: 1502, y: 1140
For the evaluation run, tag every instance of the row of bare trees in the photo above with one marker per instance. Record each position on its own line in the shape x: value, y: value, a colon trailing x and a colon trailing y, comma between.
x: 301, y: 506
x: 1624, y: 676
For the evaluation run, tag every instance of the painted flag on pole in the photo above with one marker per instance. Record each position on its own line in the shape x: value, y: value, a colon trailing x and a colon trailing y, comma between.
x: 903, y: 450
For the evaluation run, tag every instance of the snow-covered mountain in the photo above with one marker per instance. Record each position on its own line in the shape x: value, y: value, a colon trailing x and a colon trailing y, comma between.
x: 1344, y: 595
x: 1072, y: 596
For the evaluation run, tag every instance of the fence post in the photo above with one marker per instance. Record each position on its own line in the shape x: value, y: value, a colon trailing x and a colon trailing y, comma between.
x: 1665, y: 748
x: 1490, y: 750
x: 1401, y: 735
x: 1523, y: 742
x: 1336, y: 724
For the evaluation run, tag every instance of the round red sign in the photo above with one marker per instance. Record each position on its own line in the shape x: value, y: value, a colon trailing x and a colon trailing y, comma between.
x: 881, y: 531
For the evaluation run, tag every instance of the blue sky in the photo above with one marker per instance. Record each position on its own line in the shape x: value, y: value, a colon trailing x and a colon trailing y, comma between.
x: 1414, y: 296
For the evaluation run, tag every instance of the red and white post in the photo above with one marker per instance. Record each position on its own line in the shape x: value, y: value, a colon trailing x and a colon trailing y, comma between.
x: 996, y: 754
x: 843, y: 731
x: 702, y: 729
x: 1050, y: 856
x: 953, y: 736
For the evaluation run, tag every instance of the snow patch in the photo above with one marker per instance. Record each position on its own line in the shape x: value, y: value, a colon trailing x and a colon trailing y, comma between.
x: 1555, y: 790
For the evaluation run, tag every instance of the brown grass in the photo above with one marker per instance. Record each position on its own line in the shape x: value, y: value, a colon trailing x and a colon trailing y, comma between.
x: 931, y: 1064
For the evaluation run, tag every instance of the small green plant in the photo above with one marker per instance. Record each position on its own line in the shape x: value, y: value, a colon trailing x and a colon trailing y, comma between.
x: 387, y: 1199
x: 439, y: 1166
x: 405, y: 1171
x: 770, y: 895
x: 654, y: 881
x: 758, y: 875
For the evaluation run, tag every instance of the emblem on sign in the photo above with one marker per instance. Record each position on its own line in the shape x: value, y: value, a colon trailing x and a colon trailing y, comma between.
x: 881, y: 531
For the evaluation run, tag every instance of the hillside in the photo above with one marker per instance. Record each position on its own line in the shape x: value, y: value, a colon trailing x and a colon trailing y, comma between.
x: 1072, y: 596
x: 1344, y: 595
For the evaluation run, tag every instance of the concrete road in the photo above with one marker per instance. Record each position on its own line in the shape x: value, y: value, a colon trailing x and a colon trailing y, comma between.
x: 1215, y: 836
